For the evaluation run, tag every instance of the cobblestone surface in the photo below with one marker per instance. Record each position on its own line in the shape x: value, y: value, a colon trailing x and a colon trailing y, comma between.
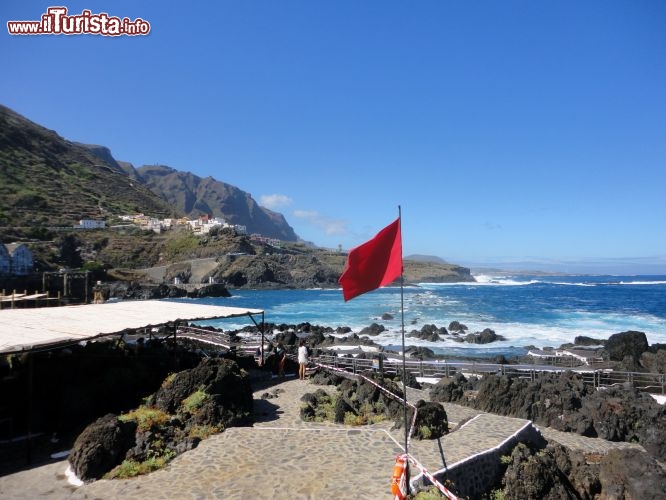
x: 282, y: 457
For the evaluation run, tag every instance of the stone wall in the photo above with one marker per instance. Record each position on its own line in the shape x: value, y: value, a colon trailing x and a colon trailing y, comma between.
x: 479, y: 473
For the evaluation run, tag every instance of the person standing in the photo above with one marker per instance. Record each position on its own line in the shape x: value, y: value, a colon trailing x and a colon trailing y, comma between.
x: 281, y: 354
x: 302, y: 359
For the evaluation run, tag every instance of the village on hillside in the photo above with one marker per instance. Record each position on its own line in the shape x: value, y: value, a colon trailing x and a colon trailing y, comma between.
x: 16, y: 259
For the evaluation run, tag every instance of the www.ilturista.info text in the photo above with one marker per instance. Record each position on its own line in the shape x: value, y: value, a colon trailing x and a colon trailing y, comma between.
x: 56, y: 22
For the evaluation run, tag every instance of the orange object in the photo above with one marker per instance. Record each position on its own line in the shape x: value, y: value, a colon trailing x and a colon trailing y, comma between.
x: 399, y: 479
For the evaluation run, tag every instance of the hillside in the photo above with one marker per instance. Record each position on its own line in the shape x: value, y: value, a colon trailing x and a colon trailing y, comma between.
x: 48, y: 181
x: 241, y: 264
x: 48, y: 184
x: 229, y: 258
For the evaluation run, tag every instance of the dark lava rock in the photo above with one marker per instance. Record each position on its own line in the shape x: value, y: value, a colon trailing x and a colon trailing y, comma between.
x: 101, y: 446
x: 419, y: 352
x: 563, y: 401
x: 410, y: 379
x: 654, y: 362
x: 452, y: 389
x: 191, y: 403
x: 431, y: 420
x: 341, y: 409
x: 324, y: 377
x: 630, y: 343
x: 358, y: 397
x: 542, y: 400
x: 631, y: 474
x: 287, y: 338
x: 457, y: 327
x: 373, y: 329
x: 219, y: 378
x: 212, y: 290
x: 387, y: 316
x: 137, y: 291
x: 623, y: 414
x: 429, y: 332
x: 485, y: 337
x: 320, y: 340
x: 548, y: 474
x: 582, y: 340
x: 313, y: 408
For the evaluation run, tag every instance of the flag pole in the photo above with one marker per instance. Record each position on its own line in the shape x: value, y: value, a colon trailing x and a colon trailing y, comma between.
x: 404, y: 365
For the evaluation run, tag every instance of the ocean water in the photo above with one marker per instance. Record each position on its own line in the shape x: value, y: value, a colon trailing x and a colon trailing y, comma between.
x: 527, y: 311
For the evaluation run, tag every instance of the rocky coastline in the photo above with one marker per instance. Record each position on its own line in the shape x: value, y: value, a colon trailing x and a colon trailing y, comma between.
x: 562, y: 402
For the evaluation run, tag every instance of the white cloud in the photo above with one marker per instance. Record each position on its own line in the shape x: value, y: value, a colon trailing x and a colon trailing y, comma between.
x: 273, y: 201
x: 329, y: 225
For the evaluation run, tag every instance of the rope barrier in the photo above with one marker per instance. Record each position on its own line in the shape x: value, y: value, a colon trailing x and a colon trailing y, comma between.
x: 443, y: 489
x: 405, y: 456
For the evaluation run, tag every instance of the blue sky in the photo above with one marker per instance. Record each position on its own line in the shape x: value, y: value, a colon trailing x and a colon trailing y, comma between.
x: 518, y: 133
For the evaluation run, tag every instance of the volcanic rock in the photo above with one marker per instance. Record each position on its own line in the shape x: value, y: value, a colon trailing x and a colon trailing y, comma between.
x: 631, y: 474
x: 485, y: 337
x: 630, y: 343
x: 373, y: 329
x: 457, y: 327
x: 429, y: 332
x: 101, y: 446
x: 431, y: 420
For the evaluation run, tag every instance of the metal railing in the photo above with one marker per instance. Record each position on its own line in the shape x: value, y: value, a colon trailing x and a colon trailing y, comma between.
x: 221, y: 339
x: 654, y: 383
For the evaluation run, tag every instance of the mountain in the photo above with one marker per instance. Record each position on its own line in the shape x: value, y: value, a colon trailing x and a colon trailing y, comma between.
x: 193, y: 196
x: 46, y: 180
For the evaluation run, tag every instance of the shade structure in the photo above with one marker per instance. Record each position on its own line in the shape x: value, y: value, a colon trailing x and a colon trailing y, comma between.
x: 33, y: 328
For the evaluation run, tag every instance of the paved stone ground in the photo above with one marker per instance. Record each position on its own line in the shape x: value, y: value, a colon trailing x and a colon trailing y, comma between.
x: 282, y: 457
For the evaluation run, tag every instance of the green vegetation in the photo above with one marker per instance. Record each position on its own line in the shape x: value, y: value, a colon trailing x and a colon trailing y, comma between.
x: 368, y: 414
x: 132, y: 468
x: 195, y: 401
x: 169, y: 379
x: 425, y: 431
x: 429, y: 494
x: 324, y: 410
x: 182, y: 245
x: 497, y: 494
x: 355, y: 420
x: 146, y: 418
x: 205, y: 431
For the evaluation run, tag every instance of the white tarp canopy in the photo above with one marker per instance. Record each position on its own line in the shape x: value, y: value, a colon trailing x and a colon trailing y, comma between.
x: 29, y: 328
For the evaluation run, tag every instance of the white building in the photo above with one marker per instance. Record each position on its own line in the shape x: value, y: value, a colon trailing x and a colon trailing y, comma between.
x: 154, y: 225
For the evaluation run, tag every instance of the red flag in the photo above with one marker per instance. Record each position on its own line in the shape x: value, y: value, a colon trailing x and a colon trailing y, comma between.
x: 375, y: 263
